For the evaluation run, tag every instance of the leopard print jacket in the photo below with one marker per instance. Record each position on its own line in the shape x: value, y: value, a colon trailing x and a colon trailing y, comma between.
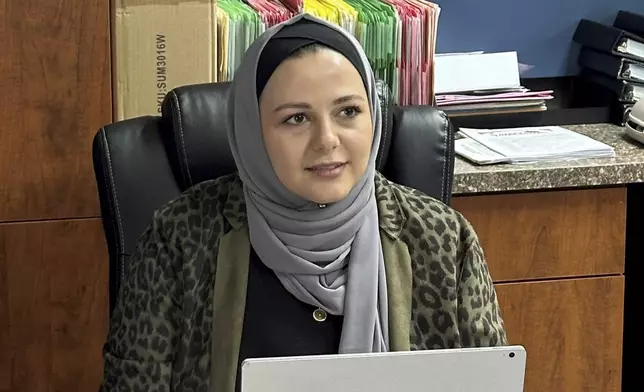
x: 160, y: 336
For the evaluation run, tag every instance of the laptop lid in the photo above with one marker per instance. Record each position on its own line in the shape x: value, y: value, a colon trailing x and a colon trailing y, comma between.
x: 493, y: 369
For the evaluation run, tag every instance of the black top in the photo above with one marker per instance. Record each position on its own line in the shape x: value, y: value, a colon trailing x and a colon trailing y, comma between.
x: 277, y: 324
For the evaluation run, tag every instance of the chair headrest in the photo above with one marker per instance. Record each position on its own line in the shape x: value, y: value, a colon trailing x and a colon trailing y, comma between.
x: 195, y: 131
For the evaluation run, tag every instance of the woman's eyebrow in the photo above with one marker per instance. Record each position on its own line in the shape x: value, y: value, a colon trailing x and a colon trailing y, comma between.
x: 347, y: 98
x: 292, y: 105
x: 304, y: 105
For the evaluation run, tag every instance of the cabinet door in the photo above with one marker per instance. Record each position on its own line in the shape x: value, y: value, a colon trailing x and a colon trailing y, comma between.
x: 55, y: 81
x: 571, y: 329
x: 553, y: 234
x: 53, y: 306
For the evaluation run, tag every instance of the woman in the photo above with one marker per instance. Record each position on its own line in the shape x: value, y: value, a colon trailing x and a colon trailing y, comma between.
x: 307, y: 249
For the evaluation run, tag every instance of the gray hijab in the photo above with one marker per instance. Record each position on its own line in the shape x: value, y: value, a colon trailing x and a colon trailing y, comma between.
x: 328, y: 257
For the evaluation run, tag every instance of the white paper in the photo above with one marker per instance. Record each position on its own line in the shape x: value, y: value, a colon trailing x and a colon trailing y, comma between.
x: 530, y: 144
x: 476, y: 72
x: 476, y: 152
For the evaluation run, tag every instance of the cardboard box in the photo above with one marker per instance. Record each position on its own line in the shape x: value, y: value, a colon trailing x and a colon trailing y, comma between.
x: 158, y: 45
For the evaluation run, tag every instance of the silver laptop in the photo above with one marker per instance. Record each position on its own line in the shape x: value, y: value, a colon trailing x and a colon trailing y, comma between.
x: 493, y: 369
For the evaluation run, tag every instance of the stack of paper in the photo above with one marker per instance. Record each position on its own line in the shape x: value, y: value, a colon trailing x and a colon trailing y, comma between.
x: 416, y: 48
x: 484, y: 83
x: 492, y: 102
x: 398, y: 36
x: 335, y: 11
x: 530, y: 144
x: 238, y: 25
x: 377, y: 31
x: 271, y: 12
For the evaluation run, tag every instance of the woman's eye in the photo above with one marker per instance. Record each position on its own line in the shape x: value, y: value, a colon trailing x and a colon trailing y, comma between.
x: 351, y: 111
x: 296, y: 119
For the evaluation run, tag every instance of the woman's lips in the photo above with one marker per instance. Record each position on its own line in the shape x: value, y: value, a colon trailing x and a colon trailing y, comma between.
x: 328, y: 170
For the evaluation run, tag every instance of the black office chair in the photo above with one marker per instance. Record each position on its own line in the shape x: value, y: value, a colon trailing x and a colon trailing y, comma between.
x: 142, y: 163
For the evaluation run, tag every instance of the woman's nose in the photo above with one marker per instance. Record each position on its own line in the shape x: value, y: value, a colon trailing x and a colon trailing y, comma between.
x: 325, y: 136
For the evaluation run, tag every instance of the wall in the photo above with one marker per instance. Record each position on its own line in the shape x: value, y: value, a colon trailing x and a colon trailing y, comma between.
x: 539, y: 30
x: 55, y: 83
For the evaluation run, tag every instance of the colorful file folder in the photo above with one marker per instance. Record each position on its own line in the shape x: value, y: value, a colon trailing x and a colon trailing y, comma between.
x: 398, y: 36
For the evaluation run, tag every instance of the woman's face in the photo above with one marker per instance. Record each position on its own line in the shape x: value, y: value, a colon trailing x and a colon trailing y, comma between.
x: 316, y: 124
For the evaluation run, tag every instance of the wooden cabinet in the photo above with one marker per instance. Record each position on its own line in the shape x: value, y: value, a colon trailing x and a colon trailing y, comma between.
x: 557, y: 259
x: 53, y: 305
x: 55, y: 81
x: 55, y: 78
x: 571, y: 329
x: 551, y: 234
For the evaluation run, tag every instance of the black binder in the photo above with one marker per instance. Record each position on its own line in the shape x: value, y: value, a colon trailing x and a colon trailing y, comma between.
x: 616, y: 67
x: 630, y: 21
x: 626, y: 92
x: 620, y: 112
x: 607, y: 39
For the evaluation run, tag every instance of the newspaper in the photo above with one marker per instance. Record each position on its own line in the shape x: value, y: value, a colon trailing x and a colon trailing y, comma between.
x: 529, y: 144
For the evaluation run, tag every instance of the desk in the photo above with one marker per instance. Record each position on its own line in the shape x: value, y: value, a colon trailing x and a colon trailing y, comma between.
x: 554, y: 235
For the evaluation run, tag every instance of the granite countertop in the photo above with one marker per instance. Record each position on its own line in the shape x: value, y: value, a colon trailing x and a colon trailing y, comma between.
x: 626, y: 167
